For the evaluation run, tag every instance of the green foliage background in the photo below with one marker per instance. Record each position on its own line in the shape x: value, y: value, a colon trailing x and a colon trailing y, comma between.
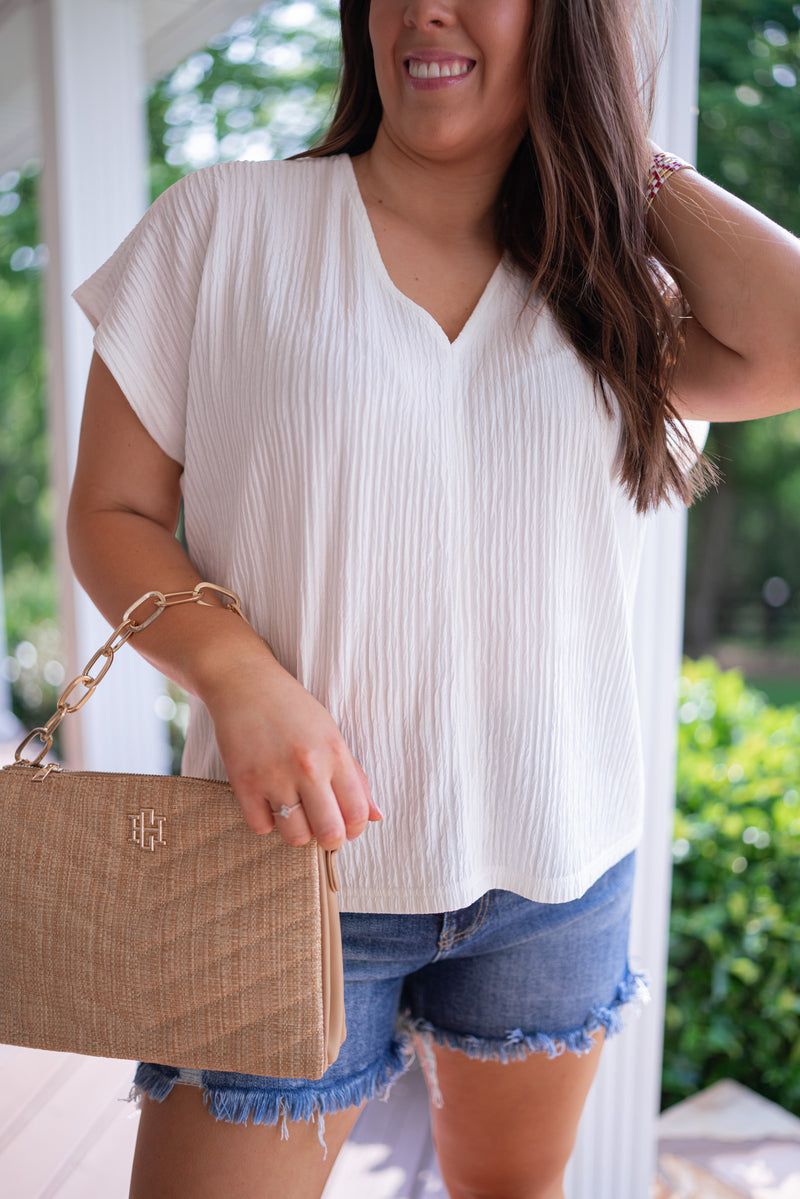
x: 749, y: 128
x: 264, y: 87
x: 23, y: 448
x: 733, y: 1001
x: 749, y: 142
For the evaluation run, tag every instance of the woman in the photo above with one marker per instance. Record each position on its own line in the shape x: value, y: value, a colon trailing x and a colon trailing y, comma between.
x: 415, y: 392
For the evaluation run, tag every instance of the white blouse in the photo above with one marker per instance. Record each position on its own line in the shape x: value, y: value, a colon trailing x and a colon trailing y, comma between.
x: 431, y: 536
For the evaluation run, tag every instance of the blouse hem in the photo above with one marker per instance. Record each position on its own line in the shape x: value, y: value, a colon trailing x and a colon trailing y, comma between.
x: 450, y: 899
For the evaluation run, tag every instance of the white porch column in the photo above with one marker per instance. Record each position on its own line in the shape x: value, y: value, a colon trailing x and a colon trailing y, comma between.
x: 11, y: 729
x: 92, y: 88
x: 615, y: 1156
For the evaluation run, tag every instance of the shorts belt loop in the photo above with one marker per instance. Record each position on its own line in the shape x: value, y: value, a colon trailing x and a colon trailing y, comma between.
x: 478, y: 919
x: 446, y: 936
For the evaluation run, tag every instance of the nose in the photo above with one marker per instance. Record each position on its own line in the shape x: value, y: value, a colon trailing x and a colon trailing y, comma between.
x: 424, y: 14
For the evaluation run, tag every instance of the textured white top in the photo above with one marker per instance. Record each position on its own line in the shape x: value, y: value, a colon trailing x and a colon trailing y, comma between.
x: 431, y: 536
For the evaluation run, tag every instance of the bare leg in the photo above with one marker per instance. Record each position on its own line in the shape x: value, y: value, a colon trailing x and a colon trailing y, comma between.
x: 183, y: 1152
x: 506, y: 1130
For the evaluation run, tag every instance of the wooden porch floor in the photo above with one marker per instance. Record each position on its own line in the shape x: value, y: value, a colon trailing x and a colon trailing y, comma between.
x: 66, y: 1132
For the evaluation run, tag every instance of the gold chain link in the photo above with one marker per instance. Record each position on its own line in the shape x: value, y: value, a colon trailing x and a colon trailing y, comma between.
x: 121, y: 634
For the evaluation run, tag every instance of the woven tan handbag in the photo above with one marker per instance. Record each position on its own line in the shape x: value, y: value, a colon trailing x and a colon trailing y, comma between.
x: 141, y: 918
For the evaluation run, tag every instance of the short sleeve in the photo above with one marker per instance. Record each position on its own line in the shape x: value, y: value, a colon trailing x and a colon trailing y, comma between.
x: 142, y: 304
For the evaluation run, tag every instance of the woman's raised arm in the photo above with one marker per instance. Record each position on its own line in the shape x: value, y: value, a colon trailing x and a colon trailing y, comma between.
x: 278, y: 744
x: 740, y: 273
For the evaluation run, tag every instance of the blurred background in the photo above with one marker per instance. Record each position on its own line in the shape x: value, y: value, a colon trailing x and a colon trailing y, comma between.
x: 263, y: 89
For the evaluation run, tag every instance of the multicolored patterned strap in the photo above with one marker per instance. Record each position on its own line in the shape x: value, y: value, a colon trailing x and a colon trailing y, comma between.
x: 662, y: 166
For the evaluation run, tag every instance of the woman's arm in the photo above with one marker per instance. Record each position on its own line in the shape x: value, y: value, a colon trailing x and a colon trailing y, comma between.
x: 740, y: 273
x: 277, y: 742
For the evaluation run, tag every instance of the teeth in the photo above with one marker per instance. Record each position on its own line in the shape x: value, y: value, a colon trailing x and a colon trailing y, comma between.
x: 436, y: 70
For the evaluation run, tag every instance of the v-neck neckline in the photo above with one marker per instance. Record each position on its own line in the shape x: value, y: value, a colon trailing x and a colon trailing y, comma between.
x: 474, y: 319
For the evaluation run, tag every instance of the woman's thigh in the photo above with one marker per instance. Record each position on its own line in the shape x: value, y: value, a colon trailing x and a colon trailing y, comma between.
x: 509, y: 1021
x: 182, y: 1152
x: 508, y: 1128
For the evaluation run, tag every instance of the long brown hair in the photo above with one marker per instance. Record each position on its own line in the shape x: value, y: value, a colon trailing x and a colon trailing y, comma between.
x: 571, y: 214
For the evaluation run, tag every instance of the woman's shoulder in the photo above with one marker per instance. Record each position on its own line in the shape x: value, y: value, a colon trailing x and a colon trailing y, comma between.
x: 246, y: 195
x: 264, y: 176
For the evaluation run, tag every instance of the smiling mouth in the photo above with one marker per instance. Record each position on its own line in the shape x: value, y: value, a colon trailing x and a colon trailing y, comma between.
x: 448, y: 69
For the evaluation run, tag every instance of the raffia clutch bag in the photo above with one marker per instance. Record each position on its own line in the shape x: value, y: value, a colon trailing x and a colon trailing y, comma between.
x: 141, y: 918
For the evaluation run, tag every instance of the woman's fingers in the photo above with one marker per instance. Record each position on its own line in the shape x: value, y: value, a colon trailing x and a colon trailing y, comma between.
x: 257, y: 812
x: 332, y: 812
x: 374, y: 811
x: 293, y: 824
x: 322, y: 814
x: 288, y: 763
x: 352, y: 793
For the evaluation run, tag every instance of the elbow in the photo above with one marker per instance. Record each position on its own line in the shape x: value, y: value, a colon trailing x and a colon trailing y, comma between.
x: 774, y: 383
x: 77, y: 526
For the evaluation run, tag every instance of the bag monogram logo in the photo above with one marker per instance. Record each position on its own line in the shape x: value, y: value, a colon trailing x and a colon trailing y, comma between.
x: 147, y: 829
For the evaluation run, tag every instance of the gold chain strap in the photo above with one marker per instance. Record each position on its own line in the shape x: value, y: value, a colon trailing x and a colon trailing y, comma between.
x: 121, y: 633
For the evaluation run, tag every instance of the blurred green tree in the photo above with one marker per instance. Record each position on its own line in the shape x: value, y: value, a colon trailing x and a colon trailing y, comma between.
x: 262, y: 89
x: 749, y: 127
x: 25, y: 495
x: 749, y: 142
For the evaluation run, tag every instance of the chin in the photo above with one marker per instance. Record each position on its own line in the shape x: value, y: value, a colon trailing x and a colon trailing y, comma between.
x: 431, y: 140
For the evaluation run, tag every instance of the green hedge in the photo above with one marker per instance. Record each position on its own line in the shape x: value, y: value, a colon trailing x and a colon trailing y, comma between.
x: 733, y: 1001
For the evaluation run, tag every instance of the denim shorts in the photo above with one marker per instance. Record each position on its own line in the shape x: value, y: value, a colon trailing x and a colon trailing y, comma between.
x: 499, y: 979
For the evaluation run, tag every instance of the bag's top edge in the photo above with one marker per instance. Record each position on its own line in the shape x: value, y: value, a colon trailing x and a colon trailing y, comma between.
x: 59, y: 770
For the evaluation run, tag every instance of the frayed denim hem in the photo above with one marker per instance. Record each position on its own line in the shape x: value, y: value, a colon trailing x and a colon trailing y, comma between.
x: 632, y: 995
x: 240, y: 1104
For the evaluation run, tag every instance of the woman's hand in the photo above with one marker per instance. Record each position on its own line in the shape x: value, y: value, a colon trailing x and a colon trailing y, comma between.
x: 282, y: 748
